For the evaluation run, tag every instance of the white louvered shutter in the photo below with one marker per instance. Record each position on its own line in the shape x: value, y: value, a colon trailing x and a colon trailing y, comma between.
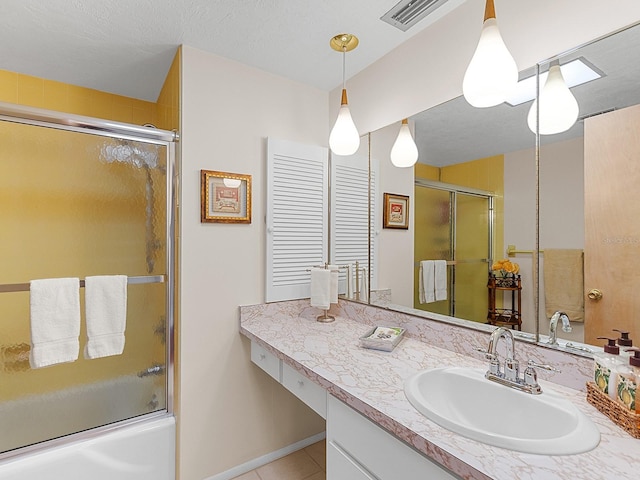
x: 297, y: 210
x: 349, y: 223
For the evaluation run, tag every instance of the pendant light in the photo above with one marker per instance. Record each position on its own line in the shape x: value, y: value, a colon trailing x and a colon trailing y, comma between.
x: 558, y: 107
x: 404, y: 152
x: 492, y: 73
x: 344, y: 138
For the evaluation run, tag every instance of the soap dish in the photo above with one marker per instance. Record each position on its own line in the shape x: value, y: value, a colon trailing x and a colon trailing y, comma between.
x: 382, y: 338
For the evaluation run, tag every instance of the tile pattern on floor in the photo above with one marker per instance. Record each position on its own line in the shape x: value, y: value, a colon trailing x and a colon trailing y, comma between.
x: 306, y: 464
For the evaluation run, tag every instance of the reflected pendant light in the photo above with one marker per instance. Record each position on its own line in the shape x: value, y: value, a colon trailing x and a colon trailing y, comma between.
x: 492, y: 73
x: 344, y: 138
x: 404, y: 152
x: 558, y: 107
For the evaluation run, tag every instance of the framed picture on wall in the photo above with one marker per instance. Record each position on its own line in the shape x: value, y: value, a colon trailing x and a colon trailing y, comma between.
x: 396, y: 211
x: 225, y: 197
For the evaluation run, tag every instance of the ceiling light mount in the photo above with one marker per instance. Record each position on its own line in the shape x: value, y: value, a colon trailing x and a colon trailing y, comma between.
x: 345, y: 42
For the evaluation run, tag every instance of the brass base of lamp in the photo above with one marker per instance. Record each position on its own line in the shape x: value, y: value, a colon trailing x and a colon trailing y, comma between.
x: 345, y: 42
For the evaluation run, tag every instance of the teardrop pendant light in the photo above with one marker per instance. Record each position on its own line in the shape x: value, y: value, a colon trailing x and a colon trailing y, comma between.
x: 404, y: 152
x: 344, y: 138
x: 558, y: 107
x: 492, y: 73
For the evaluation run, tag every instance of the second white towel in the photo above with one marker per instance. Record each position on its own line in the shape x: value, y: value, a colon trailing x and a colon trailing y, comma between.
x: 440, y: 279
x: 106, y: 315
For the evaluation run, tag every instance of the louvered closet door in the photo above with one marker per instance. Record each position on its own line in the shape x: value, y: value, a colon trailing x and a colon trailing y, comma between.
x: 349, y: 221
x: 297, y: 212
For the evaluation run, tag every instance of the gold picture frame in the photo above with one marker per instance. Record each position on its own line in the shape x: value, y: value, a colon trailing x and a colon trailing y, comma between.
x: 396, y: 211
x: 225, y: 197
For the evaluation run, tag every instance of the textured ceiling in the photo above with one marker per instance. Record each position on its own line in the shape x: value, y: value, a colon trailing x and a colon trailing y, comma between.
x: 126, y: 46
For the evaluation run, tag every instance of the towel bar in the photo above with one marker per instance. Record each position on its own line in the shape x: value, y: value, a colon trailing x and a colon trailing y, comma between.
x: 25, y: 287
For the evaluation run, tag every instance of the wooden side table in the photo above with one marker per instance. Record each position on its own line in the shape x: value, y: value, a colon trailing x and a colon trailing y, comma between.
x: 505, y: 317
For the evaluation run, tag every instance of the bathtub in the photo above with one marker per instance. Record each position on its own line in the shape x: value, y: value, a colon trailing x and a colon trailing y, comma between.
x: 140, y: 449
x: 144, y: 450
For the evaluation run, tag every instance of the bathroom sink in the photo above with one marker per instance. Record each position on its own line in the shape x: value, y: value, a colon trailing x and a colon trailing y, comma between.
x: 463, y: 401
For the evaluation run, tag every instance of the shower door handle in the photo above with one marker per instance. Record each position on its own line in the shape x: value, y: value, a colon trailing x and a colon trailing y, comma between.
x: 153, y: 370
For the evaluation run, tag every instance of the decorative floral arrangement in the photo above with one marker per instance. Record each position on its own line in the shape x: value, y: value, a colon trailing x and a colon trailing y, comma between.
x: 505, y: 268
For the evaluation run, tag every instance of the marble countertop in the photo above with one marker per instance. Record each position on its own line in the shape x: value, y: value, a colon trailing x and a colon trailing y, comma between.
x: 371, y: 382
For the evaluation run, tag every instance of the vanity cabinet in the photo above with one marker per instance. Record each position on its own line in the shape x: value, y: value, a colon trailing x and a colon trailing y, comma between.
x: 359, y: 449
x: 312, y: 394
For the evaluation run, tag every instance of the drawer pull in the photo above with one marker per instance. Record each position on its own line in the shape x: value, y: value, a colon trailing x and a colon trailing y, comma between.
x: 301, y: 383
x: 262, y: 356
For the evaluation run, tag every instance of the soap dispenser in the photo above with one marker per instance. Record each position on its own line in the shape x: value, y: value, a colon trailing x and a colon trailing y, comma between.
x: 624, y: 342
x: 606, y: 366
x: 628, y: 378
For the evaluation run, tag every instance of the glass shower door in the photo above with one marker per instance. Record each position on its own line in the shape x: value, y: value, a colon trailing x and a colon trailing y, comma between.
x: 75, y: 204
x: 471, y: 255
x: 433, y: 239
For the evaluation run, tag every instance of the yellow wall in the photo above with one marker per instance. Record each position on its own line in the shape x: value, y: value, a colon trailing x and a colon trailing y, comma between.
x: 427, y: 172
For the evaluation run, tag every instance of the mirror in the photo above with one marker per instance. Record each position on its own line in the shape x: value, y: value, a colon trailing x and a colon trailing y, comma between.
x: 461, y: 146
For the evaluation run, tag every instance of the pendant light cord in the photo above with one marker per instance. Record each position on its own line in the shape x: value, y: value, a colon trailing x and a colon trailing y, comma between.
x: 344, y: 63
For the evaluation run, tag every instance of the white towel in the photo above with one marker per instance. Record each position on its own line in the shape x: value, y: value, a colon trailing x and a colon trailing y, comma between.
x: 106, y: 315
x: 321, y: 288
x: 335, y: 276
x: 440, y: 282
x: 55, y: 321
x: 426, y: 282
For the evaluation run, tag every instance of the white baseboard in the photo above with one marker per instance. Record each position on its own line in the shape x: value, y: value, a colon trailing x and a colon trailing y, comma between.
x: 268, y: 458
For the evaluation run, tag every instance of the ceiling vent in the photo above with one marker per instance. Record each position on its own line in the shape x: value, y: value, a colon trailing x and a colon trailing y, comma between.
x: 409, y: 12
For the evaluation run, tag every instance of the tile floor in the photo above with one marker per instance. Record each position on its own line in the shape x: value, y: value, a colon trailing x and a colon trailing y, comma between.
x: 306, y: 464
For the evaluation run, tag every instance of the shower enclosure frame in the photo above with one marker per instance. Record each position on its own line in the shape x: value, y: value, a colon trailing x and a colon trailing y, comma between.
x: 94, y: 126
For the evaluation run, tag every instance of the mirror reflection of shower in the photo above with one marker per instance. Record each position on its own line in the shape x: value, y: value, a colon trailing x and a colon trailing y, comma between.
x: 144, y: 157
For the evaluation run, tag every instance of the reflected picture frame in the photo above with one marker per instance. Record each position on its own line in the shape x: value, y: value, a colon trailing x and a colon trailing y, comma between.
x: 395, y: 213
x: 225, y: 197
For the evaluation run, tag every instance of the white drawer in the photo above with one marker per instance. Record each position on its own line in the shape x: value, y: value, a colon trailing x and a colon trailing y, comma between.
x: 381, y: 454
x: 266, y: 361
x: 340, y: 466
x: 310, y: 393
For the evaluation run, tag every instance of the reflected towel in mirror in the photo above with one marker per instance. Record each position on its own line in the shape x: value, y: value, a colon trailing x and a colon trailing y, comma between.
x: 440, y: 281
x: 563, y: 273
x: 426, y: 281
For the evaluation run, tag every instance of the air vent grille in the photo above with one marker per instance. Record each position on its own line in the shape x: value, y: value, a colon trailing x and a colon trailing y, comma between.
x: 409, y: 12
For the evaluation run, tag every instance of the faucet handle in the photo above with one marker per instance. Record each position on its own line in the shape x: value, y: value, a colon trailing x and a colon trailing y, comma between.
x: 544, y: 366
x: 487, y: 355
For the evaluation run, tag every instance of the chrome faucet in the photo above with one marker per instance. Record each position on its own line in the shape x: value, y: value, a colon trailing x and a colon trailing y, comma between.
x: 511, y: 375
x: 553, y: 326
x: 511, y: 364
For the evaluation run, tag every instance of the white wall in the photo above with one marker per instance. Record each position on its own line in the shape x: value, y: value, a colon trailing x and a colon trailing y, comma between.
x: 229, y: 411
x: 395, y: 265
